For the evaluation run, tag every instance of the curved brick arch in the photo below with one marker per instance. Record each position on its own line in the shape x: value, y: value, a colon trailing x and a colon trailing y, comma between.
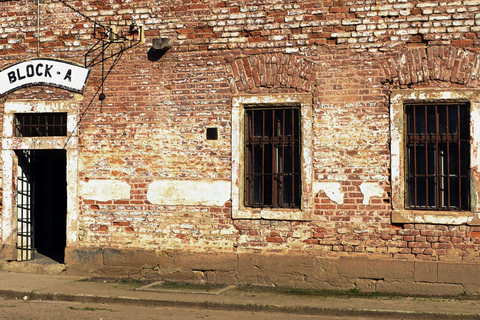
x: 275, y: 70
x: 417, y: 65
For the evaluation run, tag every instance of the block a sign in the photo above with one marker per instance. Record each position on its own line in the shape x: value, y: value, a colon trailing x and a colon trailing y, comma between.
x: 42, y: 71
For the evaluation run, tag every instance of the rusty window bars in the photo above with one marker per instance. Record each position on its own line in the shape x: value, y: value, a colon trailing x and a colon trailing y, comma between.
x: 438, y: 157
x: 40, y: 124
x: 272, y: 157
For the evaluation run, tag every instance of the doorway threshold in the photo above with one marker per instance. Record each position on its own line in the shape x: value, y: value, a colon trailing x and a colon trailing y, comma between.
x: 43, y: 259
x: 40, y: 265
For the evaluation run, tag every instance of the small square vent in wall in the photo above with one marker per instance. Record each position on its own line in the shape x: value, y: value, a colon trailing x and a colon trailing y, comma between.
x: 212, y: 133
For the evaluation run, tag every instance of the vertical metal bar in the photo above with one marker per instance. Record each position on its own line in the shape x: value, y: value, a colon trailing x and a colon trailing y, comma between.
x: 413, y: 173
x: 277, y: 146
x: 436, y: 153
x: 263, y: 157
x: 409, y: 156
x: 427, y: 142
x: 20, y: 188
x: 246, y: 155
x: 274, y: 173
x: 285, y: 142
x: 446, y: 170
x: 21, y: 195
x: 459, y: 159
x: 292, y: 146
x: 415, y: 178
x: 248, y: 158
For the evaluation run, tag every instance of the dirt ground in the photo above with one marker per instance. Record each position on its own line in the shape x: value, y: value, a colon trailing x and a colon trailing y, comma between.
x: 57, y: 310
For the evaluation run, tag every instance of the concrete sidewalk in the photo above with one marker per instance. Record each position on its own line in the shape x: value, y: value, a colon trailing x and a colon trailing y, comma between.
x: 67, y: 288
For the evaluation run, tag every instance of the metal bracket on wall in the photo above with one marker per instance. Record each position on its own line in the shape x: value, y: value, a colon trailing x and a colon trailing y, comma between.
x: 112, y: 41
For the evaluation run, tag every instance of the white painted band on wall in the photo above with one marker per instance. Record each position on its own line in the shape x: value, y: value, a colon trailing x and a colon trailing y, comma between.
x: 105, y: 190
x: 188, y: 192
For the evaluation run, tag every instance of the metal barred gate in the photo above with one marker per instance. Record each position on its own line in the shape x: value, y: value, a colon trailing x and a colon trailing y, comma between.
x: 25, y: 243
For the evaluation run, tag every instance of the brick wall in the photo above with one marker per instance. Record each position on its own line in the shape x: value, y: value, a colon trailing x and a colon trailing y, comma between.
x: 348, y: 54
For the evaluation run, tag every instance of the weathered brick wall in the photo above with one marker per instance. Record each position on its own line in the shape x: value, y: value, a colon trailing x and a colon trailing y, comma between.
x: 348, y: 54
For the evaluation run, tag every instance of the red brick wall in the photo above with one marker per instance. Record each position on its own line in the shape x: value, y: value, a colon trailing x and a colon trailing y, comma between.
x: 348, y: 54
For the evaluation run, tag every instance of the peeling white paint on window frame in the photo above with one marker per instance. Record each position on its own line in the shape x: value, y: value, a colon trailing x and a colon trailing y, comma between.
x: 11, y: 143
x: 400, y: 214
x: 239, y: 211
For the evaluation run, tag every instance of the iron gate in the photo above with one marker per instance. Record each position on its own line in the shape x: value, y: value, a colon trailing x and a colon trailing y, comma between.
x: 25, y: 245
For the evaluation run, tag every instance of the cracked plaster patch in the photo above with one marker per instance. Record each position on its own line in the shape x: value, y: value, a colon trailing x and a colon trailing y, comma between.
x: 370, y: 189
x: 332, y: 190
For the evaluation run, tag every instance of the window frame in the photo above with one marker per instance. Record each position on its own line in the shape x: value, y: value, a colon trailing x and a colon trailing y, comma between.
x: 398, y: 100
x: 239, y: 104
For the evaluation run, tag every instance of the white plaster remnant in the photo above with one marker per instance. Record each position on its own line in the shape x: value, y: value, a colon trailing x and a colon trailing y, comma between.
x: 72, y: 195
x: 370, y: 189
x: 436, y: 219
x: 8, y: 196
x: 332, y: 190
x: 189, y: 192
x: 104, y: 190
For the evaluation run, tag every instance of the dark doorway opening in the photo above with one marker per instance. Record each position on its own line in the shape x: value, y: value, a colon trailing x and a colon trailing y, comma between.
x: 44, y: 173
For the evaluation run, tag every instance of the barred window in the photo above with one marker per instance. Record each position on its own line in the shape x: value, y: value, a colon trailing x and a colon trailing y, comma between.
x: 437, y: 157
x: 40, y: 124
x: 272, y: 157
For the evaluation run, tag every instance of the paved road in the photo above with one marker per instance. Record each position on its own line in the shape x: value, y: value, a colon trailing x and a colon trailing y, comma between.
x: 54, y: 310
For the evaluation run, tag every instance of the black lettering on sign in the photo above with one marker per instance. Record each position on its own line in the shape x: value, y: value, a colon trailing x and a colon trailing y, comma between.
x: 30, y: 71
x: 68, y: 76
x: 11, y: 77
x: 19, y: 76
x: 47, y: 70
x: 37, y: 69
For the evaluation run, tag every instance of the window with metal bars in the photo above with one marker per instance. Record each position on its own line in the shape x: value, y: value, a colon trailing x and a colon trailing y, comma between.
x: 438, y: 157
x: 272, y: 157
x: 40, y: 124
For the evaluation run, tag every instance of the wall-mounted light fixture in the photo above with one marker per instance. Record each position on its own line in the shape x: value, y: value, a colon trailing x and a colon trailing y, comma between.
x: 162, y: 44
x: 159, y: 47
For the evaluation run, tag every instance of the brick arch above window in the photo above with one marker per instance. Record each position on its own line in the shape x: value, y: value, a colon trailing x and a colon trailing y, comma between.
x: 439, y: 63
x: 273, y: 70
